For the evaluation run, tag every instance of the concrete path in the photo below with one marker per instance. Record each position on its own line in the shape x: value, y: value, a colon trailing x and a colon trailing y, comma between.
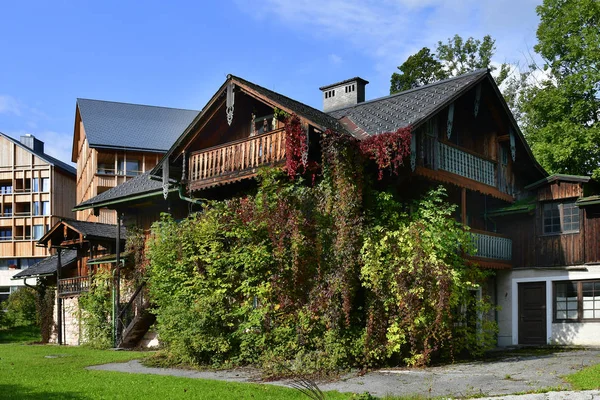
x: 502, y: 377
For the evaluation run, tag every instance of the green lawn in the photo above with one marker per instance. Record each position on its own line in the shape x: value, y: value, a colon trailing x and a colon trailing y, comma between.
x: 20, y: 334
x: 53, y: 372
x: 586, y: 379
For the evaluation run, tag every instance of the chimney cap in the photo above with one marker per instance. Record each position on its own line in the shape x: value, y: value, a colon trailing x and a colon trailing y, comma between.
x: 355, y: 79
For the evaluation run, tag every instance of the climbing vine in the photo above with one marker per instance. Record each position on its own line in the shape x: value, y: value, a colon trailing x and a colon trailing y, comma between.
x: 388, y: 150
x: 96, y: 309
x: 322, y: 276
x: 296, y: 146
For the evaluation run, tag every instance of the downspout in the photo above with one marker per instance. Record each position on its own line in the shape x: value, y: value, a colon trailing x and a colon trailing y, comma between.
x: 117, y: 281
x: 58, y: 299
x: 182, y: 196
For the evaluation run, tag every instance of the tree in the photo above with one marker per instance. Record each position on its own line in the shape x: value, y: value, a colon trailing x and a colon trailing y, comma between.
x: 455, y: 57
x: 561, y: 116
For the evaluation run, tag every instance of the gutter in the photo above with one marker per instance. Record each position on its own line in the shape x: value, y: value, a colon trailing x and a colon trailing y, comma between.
x: 118, y: 201
x: 182, y: 196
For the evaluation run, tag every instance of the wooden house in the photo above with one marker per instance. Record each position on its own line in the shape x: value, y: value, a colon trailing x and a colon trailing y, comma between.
x: 523, y: 222
x: 114, y: 142
x: 36, y: 190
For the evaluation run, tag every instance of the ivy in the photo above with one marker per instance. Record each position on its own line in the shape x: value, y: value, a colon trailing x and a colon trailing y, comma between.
x: 96, y: 306
x: 323, y: 276
x: 388, y: 149
x: 296, y: 146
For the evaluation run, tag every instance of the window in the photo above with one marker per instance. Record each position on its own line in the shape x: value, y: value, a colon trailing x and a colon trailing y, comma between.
x: 36, y: 208
x: 5, y: 234
x: 132, y: 167
x: 4, y: 293
x: 560, y: 217
x: 5, y: 187
x: 36, y: 184
x: 38, y: 231
x: 577, y: 301
x: 7, y: 263
x: 45, y: 184
x: 45, y: 208
x: 7, y: 211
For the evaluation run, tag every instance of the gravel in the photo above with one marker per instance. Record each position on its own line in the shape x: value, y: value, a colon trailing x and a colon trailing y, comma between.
x: 503, y: 377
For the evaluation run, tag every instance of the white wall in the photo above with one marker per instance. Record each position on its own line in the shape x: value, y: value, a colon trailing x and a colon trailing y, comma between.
x: 587, y: 333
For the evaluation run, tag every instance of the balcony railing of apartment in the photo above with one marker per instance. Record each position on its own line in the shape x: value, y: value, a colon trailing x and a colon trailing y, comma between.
x: 492, y: 245
x: 447, y: 157
x: 22, y: 214
x: 5, y: 238
x: 75, y: 285
x: 23, y: 237
x: 237, y: 157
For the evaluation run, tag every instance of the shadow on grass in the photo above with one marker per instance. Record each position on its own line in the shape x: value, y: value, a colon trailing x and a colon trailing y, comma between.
x: 20, y: 334
x: 22, y: 392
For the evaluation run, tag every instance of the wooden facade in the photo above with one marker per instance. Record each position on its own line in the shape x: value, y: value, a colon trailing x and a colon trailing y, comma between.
x: 100, y: 169
x: 34, y: 194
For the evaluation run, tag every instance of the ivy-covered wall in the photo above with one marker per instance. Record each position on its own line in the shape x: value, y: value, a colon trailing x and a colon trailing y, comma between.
x: 323, y: 273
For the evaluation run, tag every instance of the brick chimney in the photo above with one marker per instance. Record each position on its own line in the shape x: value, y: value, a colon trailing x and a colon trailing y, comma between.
x: 343, y: 94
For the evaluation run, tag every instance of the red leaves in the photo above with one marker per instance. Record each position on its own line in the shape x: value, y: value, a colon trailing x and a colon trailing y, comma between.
x: 296, y: 146
x: 388, y: 149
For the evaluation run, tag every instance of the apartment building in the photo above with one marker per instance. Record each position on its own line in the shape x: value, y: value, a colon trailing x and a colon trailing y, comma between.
x: 35, y: 191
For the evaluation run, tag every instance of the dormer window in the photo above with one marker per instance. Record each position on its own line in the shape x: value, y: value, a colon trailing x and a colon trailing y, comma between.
x: 330, y: 93
x: 350, y: 88
x: 560, y: 217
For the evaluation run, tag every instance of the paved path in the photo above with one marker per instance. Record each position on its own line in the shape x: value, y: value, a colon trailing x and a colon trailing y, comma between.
x: 502, y: 377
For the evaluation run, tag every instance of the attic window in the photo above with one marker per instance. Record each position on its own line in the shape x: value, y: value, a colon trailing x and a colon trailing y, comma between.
x: 350, y: 88
x: 329, y: 93
x: 560, y: 217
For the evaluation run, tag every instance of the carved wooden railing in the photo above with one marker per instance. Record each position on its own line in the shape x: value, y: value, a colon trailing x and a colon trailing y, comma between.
x: 75, y: 285
x: 237, y: 157
x: 492, y: 245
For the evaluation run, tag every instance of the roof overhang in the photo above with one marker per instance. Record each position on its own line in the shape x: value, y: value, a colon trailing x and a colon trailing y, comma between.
x: 558, y: 178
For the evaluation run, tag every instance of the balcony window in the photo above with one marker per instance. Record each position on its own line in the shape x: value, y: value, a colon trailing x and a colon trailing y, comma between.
x: 45, y: 184
x: 6, y: 263
x: 106, y: 168
x: 36, y: 208
x: 129, y: 167
x: 5, y: 187
x: 5, y: 234
x: 38, y: 231
x: 576, y: 301
x: 45, y: 208
x: 7, y: 211
x: 35, y: 182
x: 560, y: 217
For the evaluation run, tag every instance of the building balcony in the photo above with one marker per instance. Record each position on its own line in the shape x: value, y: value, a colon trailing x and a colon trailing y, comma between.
x: 493, y: 246
x: 73, y: 286
x: 235, y: 160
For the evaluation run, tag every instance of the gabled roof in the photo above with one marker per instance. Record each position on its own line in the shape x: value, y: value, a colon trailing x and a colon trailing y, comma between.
x: 410, y: 107
x: 49, y: 159
x: 558, y: 178
x: 139, y: 186
x: 92, y: 231
x: 114, y: 125
x: 48, y: 265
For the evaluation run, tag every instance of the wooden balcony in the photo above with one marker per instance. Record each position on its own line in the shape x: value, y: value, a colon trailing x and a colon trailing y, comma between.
x: 492, y: 245
x: 235, y: 160
x: 73, y: 286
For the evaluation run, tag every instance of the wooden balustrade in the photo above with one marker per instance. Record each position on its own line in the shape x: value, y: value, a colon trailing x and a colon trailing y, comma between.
x: 75, y: 285
x: 236, y: 159
x: 491, y: 245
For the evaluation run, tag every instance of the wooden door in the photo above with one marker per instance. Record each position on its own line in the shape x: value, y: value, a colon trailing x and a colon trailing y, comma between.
x: 532, y: 313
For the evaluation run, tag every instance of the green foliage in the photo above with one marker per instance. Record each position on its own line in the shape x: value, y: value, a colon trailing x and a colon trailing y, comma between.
x: 20, y: 308
x: 96, y: 309
x: 455, y: 57
x: 44, y: 303
x: 561, y: 121
x: 295, y: 276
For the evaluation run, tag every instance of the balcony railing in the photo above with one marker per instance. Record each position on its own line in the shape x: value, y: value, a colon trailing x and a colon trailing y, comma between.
x: 75, y: 285
x: 491, y: 245
x: 437, y: 155
x: 239, y: 157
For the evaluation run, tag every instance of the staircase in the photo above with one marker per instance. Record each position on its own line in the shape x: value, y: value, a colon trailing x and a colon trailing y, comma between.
x: 135, y: 319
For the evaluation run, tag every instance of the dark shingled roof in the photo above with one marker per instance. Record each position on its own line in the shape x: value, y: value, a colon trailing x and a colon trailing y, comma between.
x: 141, y: 184
x: 406, y: 108
x: 300, y: 109
x: 132, y: 126
x: 48, y: 265
x: 49, y: 159
x: 95, y: 230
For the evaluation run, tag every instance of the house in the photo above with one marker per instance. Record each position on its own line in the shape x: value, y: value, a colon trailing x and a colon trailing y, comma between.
x: 36, y: 190
x: 114, y: 142
x: 539, y: 233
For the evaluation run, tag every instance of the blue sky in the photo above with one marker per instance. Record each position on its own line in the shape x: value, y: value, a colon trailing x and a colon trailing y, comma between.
x: 177, y: 53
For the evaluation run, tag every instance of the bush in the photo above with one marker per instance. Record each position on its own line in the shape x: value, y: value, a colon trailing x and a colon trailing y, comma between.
x: 20, y: 308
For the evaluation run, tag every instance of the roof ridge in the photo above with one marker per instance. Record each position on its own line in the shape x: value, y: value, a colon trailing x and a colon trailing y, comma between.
x: 429, y: 85
x: 137, y: 104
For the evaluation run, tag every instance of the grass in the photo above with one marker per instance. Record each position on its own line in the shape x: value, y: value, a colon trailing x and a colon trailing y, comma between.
x: 586, y: 379
x: 20, y: 334
x: 53, y: 372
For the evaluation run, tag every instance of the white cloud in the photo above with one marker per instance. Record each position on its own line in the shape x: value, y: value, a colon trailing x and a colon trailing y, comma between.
x: 335, y: 59
x: 388, y: 31
x: 9, y: 105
